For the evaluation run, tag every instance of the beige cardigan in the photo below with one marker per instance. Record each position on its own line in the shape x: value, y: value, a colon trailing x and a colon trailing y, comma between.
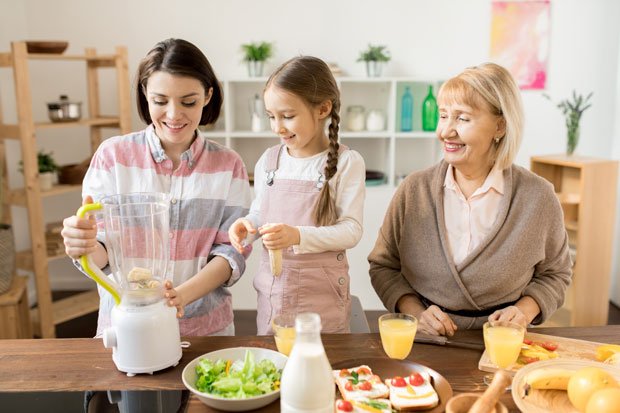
x: 526, y: 252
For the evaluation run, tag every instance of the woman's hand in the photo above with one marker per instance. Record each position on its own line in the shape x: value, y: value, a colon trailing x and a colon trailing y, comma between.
x: 279, y: 236
x: 80, y: 234
x: 511, y: 313
x: 239, y: 231
x: 435, y: 322
x: 174, y: 298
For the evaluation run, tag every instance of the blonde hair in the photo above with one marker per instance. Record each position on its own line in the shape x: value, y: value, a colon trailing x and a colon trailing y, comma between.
x: 490, y: 85
x: 310, y: 79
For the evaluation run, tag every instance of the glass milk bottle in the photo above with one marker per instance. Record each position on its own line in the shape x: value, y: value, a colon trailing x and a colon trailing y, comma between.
x: 307, y: 384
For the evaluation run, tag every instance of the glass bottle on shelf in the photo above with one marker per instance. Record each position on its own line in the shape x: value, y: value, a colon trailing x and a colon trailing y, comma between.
x: 406, y: 115
x: 307, y: 384
x: 429, y: 111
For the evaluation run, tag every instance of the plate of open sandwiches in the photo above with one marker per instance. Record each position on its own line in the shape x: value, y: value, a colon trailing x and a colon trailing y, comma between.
x: 382, y: 385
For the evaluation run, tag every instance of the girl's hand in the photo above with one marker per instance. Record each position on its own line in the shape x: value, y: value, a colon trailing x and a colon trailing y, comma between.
x: 239, y: 231
x: 435, y: 322
x: 511, y: 313
x: 279, y: 236
x: 174, y: 298
x: 79, y: 234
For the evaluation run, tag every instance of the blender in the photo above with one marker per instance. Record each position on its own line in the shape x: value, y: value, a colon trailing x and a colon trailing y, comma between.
x: 144, y: 333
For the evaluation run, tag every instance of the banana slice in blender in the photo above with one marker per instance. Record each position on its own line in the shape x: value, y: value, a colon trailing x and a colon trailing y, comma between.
x: 138, y: 274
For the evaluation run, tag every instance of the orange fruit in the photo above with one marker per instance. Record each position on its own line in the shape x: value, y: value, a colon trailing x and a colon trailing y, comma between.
x: 604, y: 401
x: 585, y: 382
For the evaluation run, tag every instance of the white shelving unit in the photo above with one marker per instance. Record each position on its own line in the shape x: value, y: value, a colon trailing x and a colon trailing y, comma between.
x: 390, y: 151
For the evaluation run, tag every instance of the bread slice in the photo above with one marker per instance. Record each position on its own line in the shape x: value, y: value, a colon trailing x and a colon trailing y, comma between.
x: 359, y: 382
x: 364, y: 405
x: 418, y: 392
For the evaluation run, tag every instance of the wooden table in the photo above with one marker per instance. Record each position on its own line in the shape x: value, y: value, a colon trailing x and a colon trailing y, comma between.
x: 52, y: 365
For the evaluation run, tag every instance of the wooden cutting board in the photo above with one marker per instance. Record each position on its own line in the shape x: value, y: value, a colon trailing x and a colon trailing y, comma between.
x: 568, y: 348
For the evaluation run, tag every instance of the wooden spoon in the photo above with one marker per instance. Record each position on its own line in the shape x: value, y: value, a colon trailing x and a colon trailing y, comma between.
x: 486, y: 403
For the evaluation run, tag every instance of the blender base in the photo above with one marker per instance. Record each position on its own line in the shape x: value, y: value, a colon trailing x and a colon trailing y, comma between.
x: 144, y: 339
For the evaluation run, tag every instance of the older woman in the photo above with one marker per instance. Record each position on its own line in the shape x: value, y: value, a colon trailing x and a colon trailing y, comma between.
x: 474, y: 237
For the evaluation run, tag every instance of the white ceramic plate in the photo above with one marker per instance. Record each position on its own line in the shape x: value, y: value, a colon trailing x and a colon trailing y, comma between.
x: 544, y: 401
x: 236, y: 353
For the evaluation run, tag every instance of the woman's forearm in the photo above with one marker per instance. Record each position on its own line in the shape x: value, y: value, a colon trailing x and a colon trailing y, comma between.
x: 410, y: 304
x: 529, y: 307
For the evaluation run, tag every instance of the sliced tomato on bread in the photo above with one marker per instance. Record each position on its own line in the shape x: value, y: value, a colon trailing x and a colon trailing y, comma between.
x: 414, y: 392
x: 359, y: 382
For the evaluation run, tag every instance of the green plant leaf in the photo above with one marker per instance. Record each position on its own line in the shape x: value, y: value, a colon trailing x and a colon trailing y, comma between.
x: 375, y: 53
x: 259, y: 51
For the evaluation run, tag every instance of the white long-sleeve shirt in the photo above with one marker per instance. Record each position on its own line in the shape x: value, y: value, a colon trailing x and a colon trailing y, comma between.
x: 347, y: 186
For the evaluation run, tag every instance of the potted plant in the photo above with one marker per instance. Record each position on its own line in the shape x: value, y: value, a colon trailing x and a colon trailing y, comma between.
x: 375, y: 57
x: 47, y: 169
x: 573, y: 109
x: 255, y: 54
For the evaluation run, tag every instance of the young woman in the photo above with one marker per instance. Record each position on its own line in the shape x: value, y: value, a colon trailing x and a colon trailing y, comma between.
x: 177, y: 90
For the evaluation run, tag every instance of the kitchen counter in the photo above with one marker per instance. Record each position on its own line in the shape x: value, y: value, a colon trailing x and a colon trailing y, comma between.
x: 73, y: 365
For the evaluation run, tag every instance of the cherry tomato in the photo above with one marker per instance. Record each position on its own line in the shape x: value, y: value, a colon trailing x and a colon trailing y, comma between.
x: 345, y: 406
x: 549, y: 345
x: 398, y: 382
x: 528, y: 360
x: 527, y: 341
x: 365, y: 385
x: 344, y: 373
x: 363, y: 370
x: 348, y: 386
x: 416, y: 379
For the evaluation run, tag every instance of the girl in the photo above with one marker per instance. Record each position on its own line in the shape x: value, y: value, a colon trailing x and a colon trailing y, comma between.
x: 177, y: 90
x: 309, y: 200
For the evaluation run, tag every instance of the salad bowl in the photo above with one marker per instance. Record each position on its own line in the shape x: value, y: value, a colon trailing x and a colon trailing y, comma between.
x: 240, y: 358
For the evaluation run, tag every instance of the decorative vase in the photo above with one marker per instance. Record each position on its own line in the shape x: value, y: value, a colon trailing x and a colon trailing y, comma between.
x: 7, y: 257
x: 374, y: 68
x: 255, y: 68
x: 572, y: 138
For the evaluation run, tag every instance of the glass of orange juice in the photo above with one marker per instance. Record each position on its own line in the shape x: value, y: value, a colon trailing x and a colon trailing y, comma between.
x: 283, y: 326
x: 503, y: 341
x: 397, y: 333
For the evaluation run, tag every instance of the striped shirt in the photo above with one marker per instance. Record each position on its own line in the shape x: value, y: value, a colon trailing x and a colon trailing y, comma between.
x: 209, y: 190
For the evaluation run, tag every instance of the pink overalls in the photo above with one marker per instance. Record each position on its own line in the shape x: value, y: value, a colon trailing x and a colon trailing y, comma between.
x: 317, y: 282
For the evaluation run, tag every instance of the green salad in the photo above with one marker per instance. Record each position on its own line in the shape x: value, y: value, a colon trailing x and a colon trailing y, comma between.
x: 238, y: 379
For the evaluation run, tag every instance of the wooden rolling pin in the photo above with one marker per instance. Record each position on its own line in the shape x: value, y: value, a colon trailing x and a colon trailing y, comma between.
x: 486, y: 402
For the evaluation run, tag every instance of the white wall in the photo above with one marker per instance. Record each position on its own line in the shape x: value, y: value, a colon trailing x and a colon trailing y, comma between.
x: 437, y: 38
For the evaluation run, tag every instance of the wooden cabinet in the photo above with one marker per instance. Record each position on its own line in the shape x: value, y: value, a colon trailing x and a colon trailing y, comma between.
x: 26, y: 130
x: 586, y: 188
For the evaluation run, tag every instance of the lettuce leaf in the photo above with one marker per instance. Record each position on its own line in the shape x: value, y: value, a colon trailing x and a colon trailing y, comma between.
x: 238, y: 379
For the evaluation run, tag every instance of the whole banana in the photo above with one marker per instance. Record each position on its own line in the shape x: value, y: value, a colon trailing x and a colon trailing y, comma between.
x: 275, y: 261
x: 549, y: 379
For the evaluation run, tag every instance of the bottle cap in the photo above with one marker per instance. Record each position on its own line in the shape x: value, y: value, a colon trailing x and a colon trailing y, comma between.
x: 308, y: 323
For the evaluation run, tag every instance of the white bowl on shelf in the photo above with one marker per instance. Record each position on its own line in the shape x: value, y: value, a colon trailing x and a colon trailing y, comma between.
x: 189, y: 377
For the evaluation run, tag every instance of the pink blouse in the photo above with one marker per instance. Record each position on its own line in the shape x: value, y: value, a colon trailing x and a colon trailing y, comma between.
x: 469, y: 221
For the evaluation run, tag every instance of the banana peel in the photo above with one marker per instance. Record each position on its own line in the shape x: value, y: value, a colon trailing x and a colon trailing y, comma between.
x: 549, y: 379
x: 275, y: 262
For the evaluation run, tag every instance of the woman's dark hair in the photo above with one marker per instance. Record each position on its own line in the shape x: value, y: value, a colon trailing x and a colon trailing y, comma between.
x: 310, y: 79
x: 181, y: 58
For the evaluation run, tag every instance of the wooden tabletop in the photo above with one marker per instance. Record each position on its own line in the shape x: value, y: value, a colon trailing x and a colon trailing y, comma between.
x: 51, y: 365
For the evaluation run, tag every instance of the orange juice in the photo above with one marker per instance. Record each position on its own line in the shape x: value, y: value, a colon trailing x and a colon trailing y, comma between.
x: 285, y: 338
x: 397, y: 335
x: 503, y: 344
